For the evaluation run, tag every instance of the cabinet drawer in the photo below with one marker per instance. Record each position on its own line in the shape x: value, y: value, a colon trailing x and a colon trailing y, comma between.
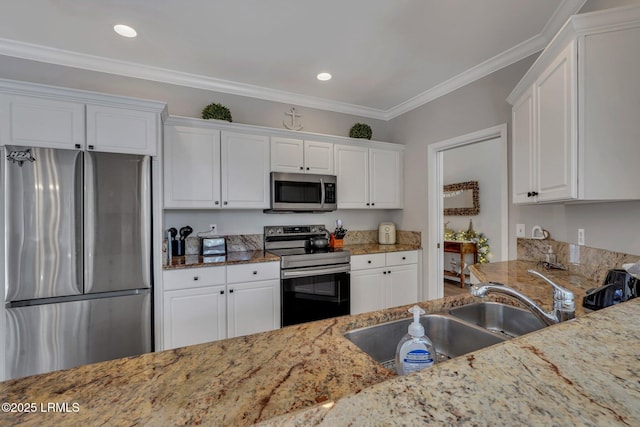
x: 402, y: 258
x: 360, y: 262
x: 193, y: 278
x: 253, y: 272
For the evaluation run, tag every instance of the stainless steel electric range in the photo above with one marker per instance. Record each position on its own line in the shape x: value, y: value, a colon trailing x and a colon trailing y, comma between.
x: 315, y: 281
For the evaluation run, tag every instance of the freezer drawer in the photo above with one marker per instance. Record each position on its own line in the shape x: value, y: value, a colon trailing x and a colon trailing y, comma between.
x: 44, y: 338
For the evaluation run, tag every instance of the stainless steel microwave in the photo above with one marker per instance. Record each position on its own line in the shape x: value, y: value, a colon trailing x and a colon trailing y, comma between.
x: 301, y: 192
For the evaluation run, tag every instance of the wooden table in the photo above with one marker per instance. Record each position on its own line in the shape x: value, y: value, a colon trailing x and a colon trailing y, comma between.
x: 461, y: 247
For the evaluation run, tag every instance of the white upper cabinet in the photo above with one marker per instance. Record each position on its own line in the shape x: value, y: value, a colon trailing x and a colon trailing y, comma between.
x: 50, y: 117
x: 191, y: 167
x: 122, y: 130
x: 545, y: 135
x: 575, y: 113
x: 369, y: 178
x: 385, y: 174
x: 301, y: 156
x: 245, y: 170
x: 41, y: 122
x: 352, y: 169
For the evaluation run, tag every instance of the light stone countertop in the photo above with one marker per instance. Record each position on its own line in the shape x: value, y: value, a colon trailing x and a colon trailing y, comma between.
x: 582, y: 372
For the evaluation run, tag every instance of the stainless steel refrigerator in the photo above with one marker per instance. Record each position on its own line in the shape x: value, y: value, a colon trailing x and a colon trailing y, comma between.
x: 77, y: 258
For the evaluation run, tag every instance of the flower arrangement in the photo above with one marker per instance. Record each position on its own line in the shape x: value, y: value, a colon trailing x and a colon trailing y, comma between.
x: 481, y: 241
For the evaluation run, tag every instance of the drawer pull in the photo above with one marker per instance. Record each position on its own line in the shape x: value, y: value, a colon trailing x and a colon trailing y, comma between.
x: 230, y: 291
x: 369, y: 262
x: 404, y: 257
x: 255, y: 272
x: 384, y: 272
x: 221, y: 292
x: 195, y: 278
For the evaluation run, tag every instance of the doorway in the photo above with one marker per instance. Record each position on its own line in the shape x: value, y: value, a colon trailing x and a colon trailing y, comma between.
x: 498, y: 193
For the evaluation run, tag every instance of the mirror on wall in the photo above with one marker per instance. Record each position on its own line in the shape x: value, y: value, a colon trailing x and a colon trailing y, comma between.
x: 462, y: 199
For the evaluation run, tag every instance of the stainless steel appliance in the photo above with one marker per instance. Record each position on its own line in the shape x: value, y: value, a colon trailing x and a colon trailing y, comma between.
x: 300, y: 192
x: 315, y: 283
x: 77, y: 258
x: 619, y: 286
x: 213, y: 246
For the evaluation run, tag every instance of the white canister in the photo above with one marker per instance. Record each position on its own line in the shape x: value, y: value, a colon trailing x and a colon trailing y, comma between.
x: 387, y: 233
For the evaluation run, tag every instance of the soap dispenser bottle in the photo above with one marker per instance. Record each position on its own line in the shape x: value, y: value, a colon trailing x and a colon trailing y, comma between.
x: 415, y: 351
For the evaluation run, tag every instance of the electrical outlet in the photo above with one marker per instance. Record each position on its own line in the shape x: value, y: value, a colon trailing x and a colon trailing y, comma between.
x: 581, y: 236
x: 213, y: 228
x: 520, y: 230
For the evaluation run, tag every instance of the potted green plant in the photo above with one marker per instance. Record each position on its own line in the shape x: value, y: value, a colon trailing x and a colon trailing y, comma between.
x: 361, y: 130
x: 216, y: 111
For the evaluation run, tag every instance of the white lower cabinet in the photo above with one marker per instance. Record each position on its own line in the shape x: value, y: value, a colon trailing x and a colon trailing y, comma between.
x: 380, y: 281
x: 212, y: 303
x: 195, y: 309
x: 253, y: 306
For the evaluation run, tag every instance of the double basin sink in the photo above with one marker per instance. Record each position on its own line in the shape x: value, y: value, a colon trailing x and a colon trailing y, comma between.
x: 454, y: 333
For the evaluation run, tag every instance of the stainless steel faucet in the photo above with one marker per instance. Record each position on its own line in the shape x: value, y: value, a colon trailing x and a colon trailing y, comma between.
x: 563, y: 305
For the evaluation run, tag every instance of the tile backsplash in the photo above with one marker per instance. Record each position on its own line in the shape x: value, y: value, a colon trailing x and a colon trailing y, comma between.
x: 583, y: 260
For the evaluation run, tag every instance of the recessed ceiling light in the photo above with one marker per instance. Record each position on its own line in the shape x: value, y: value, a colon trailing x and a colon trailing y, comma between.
x: 324, y: 77
x: 125, y: 30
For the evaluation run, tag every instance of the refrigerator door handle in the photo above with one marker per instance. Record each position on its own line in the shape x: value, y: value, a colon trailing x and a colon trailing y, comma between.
x: 145, y: 221
x: 89, y: 218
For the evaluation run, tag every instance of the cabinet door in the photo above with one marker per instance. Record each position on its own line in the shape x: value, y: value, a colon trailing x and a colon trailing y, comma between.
x: 253, y: 307
x: 523, y: 154
x: 245, y: 170
x: 352, y: 169
x: 287, y: 155
x: 402, y: 285
x: 556, y: 128
x: 385, y: 178
x: 318, y: 157
x: 122, y: 130
x: 191, y: 167
x: 39, y: 122
x: 367, y: 290
x: 194, y: 316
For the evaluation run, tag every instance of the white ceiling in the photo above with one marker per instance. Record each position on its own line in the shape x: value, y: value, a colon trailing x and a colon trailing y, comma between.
x: 386, y: 56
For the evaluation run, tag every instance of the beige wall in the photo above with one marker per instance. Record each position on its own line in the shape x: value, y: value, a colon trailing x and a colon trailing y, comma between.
x: 479, y: 105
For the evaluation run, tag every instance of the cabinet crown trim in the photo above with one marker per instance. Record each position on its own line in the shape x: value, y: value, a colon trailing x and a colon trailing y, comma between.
x: 576, y: 27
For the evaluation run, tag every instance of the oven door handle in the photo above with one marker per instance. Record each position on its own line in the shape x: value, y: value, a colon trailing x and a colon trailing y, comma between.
x: 306, y: 272
x: 322, y: 191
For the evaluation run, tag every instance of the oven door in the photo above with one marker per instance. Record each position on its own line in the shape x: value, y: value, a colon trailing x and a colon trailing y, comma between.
x: 315, y: 293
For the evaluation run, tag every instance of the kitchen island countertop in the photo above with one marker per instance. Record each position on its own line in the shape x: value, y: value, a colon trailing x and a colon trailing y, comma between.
x: 585, y: 371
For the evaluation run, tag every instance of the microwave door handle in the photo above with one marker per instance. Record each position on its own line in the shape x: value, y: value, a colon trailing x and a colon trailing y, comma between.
x: 322, y: 193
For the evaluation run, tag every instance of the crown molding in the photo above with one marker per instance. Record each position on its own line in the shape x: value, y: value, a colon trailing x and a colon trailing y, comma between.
x: 130, y: 69
x: 506, y: 58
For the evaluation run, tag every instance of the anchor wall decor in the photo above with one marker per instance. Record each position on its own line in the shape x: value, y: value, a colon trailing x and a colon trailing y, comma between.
x: 293, y: 115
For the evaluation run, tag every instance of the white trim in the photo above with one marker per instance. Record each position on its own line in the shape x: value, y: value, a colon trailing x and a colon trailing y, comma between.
x: 68, y: 58
x: 435, y: 264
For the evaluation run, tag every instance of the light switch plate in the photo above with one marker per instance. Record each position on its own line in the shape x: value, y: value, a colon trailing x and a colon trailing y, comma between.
x: 581, y: 236
x: 520, y: 230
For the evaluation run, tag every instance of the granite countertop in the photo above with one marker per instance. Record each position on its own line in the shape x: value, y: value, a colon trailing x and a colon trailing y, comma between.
x: 375, y: 248
x: 585, y: 371
x: 246, y: 257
